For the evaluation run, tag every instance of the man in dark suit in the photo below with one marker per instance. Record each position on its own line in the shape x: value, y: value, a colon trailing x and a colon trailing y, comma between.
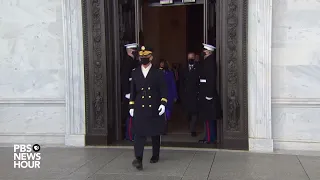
x: 189, y: 91
x: 147, y: 105
x: 209, y: 100
x: 130, y: 62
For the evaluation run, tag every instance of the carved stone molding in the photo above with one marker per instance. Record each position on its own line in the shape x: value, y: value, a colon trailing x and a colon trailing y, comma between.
x: 74, y: 72
x: 260, y: 30
x: 233, y: 109
x: 98, y: 102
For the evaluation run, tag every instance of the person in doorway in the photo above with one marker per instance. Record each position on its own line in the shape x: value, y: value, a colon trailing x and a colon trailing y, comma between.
x: 189, y: 90
x: 209, y: 102
x: 148, y: 102
x: 172, y: 89
x: 129, y: 63
x: 197, y: 59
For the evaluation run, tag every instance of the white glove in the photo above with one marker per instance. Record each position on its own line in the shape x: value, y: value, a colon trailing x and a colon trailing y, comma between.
x: 127, y: 96
x: 131, y: 111
x: 162, y: 109
x: 208, y: 98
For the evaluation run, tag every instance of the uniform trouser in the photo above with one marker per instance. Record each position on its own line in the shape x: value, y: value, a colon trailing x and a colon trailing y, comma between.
x: 210, y: 129
x: 139, y: 143
x: 129, y: 134
x: 192, y: 121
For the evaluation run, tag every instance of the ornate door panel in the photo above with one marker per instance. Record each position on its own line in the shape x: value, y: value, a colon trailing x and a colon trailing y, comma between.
x: 95, y: 71
x: 232, y: 31
x: 108, y: 26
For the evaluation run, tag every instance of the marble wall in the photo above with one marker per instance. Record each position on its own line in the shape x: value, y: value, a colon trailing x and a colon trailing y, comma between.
x: 296, y: 74
x: 32, y: 81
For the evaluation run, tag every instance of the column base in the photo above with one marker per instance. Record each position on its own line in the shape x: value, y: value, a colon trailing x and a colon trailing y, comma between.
x: 296, y: 146
x: 75, y: 140
x: 8, y: 140
x: 260, y: 145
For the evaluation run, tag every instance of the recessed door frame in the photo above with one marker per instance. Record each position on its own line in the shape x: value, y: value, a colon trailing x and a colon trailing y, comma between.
x: 102, y: 65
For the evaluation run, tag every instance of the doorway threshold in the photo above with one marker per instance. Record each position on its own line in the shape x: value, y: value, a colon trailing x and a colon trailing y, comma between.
x: 172, y: 144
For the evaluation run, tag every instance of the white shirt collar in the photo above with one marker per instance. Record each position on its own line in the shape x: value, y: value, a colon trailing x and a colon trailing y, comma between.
x: 144, y: 70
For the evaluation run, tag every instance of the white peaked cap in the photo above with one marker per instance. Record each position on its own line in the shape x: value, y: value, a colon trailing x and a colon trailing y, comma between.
x: 208, y: 47
x: 132, y: 45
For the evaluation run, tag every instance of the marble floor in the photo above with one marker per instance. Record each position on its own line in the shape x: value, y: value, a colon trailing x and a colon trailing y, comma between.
x: 115, y: 164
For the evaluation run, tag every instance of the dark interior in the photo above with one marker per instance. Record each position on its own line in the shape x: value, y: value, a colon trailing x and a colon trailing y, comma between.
x: 178, y: 126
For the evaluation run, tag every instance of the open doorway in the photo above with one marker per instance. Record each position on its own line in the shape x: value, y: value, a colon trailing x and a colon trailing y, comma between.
x: 173, y: 32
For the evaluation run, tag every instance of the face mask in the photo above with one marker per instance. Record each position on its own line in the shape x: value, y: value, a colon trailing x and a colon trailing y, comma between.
x: 202, y: 54
x: 144, y: 61
x: 191, y: 61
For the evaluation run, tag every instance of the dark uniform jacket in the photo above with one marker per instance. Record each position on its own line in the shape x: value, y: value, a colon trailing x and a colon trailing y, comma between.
x: 147, y: 94
x: 189, y: 88
x: 126, y: 69
x: 209, y: 109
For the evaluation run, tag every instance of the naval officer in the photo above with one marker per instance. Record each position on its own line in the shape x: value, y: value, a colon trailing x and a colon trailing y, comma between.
x: 209, y: 102
x: 147, y: 106
x: 130, y: 62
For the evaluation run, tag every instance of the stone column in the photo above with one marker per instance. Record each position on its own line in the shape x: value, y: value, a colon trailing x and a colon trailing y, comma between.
x: 75, y: 86
x: 259, y: 75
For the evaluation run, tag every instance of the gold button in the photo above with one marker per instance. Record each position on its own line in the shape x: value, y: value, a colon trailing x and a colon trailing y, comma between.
x: 142, y: 97
x: 141, y: 89
x: 148, y: 88
x: 149, y: 96
x: 142, y: 105
x: 149, y: 105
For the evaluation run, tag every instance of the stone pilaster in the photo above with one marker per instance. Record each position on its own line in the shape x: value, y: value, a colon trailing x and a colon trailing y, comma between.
x: 75, y: 87
x: 259, y: 75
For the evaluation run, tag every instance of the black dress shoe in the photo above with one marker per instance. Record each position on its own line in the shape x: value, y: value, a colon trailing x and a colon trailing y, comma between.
x: 203, y: 141
x: 154, y: 159
x: 193, y: 134
x: 137, y: 163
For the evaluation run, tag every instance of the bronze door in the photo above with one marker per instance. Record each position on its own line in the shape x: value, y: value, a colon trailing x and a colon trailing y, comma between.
x: 231, y: 33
